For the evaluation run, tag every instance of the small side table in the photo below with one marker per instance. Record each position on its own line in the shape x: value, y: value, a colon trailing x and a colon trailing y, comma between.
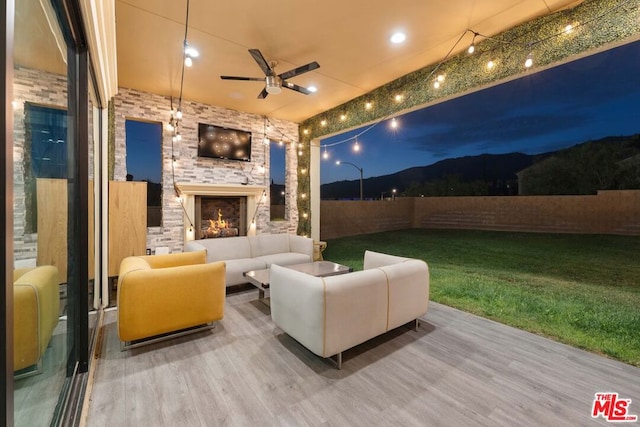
x: 318, y: 248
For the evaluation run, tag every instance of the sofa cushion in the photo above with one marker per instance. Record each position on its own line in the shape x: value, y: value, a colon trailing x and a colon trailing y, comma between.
x: 268, y: 244
x: 227, y: 248
x: 377, y: 259
x: 285, y: 258
x: 235, y: 268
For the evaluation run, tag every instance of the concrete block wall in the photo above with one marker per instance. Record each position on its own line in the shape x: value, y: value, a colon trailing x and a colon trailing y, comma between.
x: 608, y: 212
x: 189, y: 168
x: 350, y: 218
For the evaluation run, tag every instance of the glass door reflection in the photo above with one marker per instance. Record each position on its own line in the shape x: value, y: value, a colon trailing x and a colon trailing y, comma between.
x: 40, y: 105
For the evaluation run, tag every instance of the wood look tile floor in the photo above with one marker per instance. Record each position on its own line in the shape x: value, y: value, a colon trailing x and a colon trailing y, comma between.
x: 456, y: 370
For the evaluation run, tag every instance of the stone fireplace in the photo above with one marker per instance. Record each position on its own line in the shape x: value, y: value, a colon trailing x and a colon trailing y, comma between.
x: 229, y: 206
x: 218, y: 217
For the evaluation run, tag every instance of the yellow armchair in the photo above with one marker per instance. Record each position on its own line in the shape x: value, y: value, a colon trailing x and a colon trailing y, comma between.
x: 168, y: 293
x: 36, y: 306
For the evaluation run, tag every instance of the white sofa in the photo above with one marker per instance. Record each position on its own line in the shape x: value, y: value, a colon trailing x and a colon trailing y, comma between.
x: 242, y: 254
x: 332, y: 314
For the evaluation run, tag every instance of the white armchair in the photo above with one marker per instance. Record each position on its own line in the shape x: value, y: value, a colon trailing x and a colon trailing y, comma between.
x: 332, y: 314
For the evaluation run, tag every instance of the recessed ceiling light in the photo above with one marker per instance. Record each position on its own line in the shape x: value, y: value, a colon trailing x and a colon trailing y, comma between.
x: 312, y: 89
x: 398, y: 38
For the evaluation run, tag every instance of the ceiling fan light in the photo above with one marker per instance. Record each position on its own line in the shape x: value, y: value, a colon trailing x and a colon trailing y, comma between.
x: 273, y: 85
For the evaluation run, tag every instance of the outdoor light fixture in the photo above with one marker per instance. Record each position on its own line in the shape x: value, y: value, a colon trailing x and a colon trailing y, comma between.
x: 394, y: 123
x: 325, y: 155
x: 356, y: 146
x: 361, y: 170
x: 529, y: 61
x: 472, y: 46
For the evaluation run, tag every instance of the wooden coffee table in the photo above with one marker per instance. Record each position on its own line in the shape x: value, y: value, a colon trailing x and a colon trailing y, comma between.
x: 260, y: 278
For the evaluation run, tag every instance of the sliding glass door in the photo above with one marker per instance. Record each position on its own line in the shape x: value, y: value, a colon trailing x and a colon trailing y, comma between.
x: 48, y: 258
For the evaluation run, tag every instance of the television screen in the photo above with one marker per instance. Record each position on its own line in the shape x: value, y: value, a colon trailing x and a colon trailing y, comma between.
x: 223, y: 143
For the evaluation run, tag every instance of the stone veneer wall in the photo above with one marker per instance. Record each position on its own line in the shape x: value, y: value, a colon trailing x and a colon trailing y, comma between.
x: 135, y: 105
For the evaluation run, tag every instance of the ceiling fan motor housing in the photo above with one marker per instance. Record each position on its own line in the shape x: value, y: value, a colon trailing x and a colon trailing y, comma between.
x: 274, y: 84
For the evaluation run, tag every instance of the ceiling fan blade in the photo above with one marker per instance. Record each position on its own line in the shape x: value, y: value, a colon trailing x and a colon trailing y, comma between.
x: 253, y: 79
x: 257, y: 55
x: 295, y: 87
x: 263, y: 94
x: 300, y: 70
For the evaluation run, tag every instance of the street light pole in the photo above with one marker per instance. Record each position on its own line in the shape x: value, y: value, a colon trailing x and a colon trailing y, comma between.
x: 361, y: 170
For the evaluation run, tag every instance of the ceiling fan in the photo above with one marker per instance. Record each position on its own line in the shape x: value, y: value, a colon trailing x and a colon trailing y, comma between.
x: 275, y: 82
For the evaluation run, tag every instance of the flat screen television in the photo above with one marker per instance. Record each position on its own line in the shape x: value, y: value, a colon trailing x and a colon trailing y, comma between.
x: 223, y: 143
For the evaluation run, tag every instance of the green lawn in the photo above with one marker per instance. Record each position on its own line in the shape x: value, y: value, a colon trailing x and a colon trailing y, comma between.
x: 582, y: 290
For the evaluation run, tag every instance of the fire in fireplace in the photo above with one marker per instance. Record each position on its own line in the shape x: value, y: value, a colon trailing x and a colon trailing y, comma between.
x: 220, y: 217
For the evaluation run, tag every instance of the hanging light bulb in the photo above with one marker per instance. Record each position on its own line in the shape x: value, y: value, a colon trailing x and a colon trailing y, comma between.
x: 394, y: 123
x: 323, y: 123
x: 281, y: 143
x: 325, y: 155
x: 436, y: 84
x: 179, y: 114
x: 265, y: 141
x: 178, y: 137
x: 490, y: 65
x: 261, y: 168
x: 529, y: 61
x: 472, y: 46
x: 356, y: 146
x: 188, y: 61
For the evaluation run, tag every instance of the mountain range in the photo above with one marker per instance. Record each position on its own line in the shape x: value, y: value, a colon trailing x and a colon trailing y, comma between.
x: 485, y: 174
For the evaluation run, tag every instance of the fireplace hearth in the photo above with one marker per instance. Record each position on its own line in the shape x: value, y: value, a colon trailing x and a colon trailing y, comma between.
x: 220, y: 216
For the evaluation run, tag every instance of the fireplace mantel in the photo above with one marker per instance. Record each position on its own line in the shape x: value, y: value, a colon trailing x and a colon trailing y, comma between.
x: 197, y: 189
x: 188, y: 192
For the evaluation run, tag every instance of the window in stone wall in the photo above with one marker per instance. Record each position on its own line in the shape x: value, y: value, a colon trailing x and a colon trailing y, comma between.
x: 144, y: 163
x: 277, y: 160
x: 45, y: 153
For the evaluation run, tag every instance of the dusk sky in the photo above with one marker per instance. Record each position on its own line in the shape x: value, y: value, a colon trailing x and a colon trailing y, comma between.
x: 587, y: 99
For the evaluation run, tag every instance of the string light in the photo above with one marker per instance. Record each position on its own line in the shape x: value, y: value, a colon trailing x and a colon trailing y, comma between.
x: 306, y: 131
x: 529, y: 61
x: 394, y: 123
x: 323, y: 123
x: 325, y: 154
x: 472, y: 46
x: 356, y: 146
x: 343, y: 117
x: 490, y: 65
